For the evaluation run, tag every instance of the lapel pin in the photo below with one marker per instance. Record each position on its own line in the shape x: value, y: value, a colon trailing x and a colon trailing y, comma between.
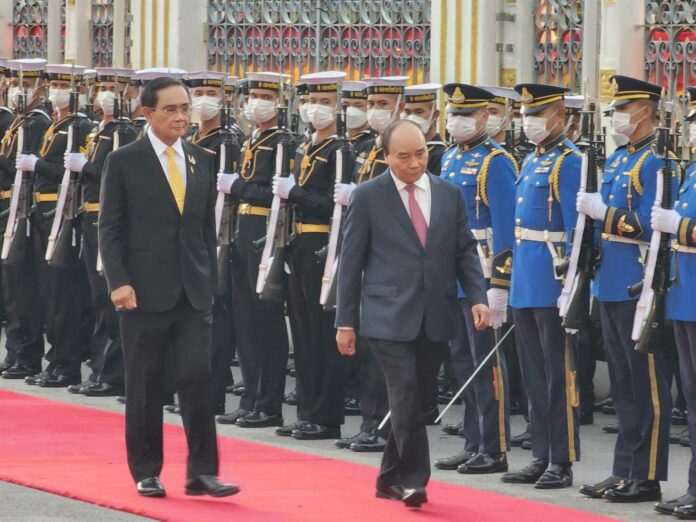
x: 191, y: 159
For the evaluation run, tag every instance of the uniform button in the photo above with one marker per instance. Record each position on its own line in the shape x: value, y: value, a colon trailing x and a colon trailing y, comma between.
x: 617, y: 178
x: 624, y: 185
x: 520, y: 199
x: 685, y: 205
x: 519, y: 241
x: 459, y: 156
x: 451, y: 175
x: 518, y: 221
x: 463, y: 182
x: 624, y: 160
x: 537, y: 183
x: 611, y: 196
x: 535, y: 160
x: 526, y: 178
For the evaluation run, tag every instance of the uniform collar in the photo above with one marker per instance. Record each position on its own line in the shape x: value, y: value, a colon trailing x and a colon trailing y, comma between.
x: 546, y: 147
x: 640, y: 144
x: 473, y: 144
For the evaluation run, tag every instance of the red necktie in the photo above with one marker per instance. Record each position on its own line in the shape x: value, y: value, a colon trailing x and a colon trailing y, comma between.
x: 417, y: 217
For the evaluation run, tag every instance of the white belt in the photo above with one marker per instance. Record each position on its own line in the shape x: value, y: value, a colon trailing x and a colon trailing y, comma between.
x: 683, y: 248
x: 541, y: 236
x: 484, y: 234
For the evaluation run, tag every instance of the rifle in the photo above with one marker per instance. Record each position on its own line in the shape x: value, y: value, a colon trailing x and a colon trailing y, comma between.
x: 580, y: 269
x: 17, y: 230
x: 649, y: 319
x: 345, y: 164
x: 63, y: 236
x: 225, y: 206
x: 269, y: 284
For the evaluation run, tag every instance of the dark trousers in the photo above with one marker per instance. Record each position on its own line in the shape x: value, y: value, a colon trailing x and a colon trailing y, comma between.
x: 260, y: 331
x: 372, y: 390
x: 547, y: 361
x: 320, y: 368
x: 641, y: 397
x: 463, y: 366
x: 62, y: 291
x: 107, y: 355
x: 488, y: 426
x: 223, y: 349
x: 24, y: 329
x: 685, y: 336
x: 149, y: 338
x: 410, y: 370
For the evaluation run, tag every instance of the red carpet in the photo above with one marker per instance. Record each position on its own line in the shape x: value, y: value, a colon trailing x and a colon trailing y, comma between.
x: 79, y: 452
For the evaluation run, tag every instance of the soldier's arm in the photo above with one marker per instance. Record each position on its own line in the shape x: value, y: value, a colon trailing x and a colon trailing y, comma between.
x: 501, y: 196
x: 569, y: 186
x: 319, y: 203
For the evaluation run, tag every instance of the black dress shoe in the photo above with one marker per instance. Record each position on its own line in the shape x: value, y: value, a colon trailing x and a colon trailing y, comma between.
x: 527, y: 445
x: 316, y: 432
x: 586, y: 418
x: 57, y: 380
x: 483, y: 463
x: 600, y: 488
x: 210, y: 485
x: 612, y: 429
x: 634, y: 490
x: 103, y: 389
x: 76, y: 388
x: 372, y: 444
x: 20, y: 371
x: 291, y: 398
x: 687, y: 512
x: 229, y: 388
x: 414, y: 497
x: 259, y: 419
x: 232, y: 418
x: 431, y: 415
x: 685, y: 441
x: 668, y: 506
x: 609, y: 409
x: 527, y: 475
x: 517, y: 440
x: 151, y: 487
x: 391, y: 492
x: 346, y: 443
x: 351, y: 407
x: 446, y: 396
x: 675, y: 438
x: 606, y: 402
x: 452, y: 463
x: 238, y: 388
x: 172, y: 408
x: 556, y: 476
x: 5, y: 366
x: 121, y: 399
x: 678, y: 417
x: 286, y: 431
x: 453, y: 429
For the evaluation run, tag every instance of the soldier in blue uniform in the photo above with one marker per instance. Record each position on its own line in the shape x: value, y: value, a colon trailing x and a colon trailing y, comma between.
x: 681, y: 222
x: 638, y: 381
x: 486, y: 174
x: 544, y: 218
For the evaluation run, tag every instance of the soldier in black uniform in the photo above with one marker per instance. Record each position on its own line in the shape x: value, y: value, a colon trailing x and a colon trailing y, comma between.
x: 62, y: 289
x: 260, y: 331
x: 24, y: 330
x: 385, y: 103
x: 116, y: 131
x: 7, y: 115
x: 354, y: 99
x: 319, y: 367
x: 206, y: 89
x: 137, y: 119
x: 421, y: 108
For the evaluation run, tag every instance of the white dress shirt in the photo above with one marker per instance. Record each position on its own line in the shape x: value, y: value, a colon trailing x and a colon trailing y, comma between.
x: 422, y: 193
x: 161, y: 153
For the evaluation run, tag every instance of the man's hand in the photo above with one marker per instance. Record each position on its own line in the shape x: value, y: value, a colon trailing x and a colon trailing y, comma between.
x: 124, y: 298
x: 345, y: 339
x: 481, y: 315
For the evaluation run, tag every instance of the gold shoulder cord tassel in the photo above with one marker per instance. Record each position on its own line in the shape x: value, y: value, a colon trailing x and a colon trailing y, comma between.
x: 550, y: 201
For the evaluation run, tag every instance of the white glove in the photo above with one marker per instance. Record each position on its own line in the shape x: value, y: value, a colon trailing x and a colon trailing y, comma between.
x: 74, y: 161
x: 571, y: 331
x: 26, y: 162
x: 591, y: 204
x: 283, y: 186
x: 497, y: 303
x: 342, y: 193
x: 225, y: 181
x: 665, y: 220
x: 561, y: 301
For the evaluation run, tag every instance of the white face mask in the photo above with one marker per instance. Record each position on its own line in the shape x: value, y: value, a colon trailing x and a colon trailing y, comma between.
x: 207, y: 107
x: 60, y: 98
x: 105, y: 100
x: 461, y: 128
x: 247, y: 113
x: 13, y: 96
x: 355, y: 118
x: 304, y: 112
x: 619, y: 139
x: 535, y: 129
x: 621, y: 123
x: 379, y: 119
x: 423, y: 123
x: 494, y: 125
x: 321, y: 116
x: 260, y: 110
x: 82, y: 100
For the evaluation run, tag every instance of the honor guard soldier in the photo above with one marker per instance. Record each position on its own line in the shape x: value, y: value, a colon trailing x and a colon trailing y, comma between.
x: 302, y: 93
x: 24, y: 328
x: 544, y: 218
x: 486, y: 175
x: 319, y: 367
x: 385, y: 104
x: 207, y: 99
x: 354, y: 99
x: 260, y: 331
x: 116, y: 130
x: 573, y: 106
x: 7, y: 115
x: 501, y: 109
x: 681, y: 222
x: 62, y: 289
x: 621, y: 210
x: 137, y: 119
x: 420, y: 106
x: 231, y: 88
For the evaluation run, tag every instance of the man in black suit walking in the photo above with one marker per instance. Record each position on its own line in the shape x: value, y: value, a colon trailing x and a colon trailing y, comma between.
x: 158, y: 247
x: 406, y: 244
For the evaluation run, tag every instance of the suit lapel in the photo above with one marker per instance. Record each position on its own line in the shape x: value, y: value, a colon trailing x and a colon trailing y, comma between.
x: 435, y: 204
x: 159, y: 176
x: 396, y: 205
x: 190, y: 160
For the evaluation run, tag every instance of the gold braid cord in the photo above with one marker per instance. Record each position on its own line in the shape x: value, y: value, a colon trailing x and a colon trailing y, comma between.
x: 482, y: 179
x: 554, y: 180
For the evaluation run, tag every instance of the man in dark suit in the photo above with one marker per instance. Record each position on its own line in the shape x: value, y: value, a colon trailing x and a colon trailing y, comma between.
x: 157, y: 241
x: 406, y: 244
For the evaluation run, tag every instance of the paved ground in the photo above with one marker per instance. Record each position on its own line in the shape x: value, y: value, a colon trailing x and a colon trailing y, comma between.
x: 28, y: 505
